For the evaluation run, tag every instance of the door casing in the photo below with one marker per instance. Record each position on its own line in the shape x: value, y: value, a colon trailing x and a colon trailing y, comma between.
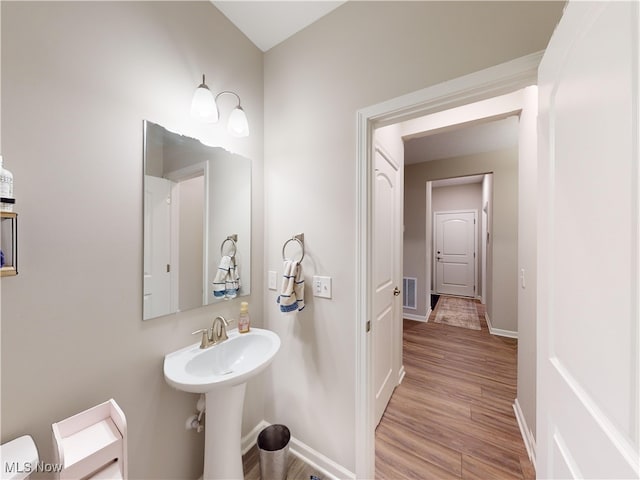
x: 483, y: 85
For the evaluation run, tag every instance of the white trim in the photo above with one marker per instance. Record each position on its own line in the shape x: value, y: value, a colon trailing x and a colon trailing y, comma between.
x: 525, y: 431
x: 494, y: 81
x: 251, y: 438
x: 326, y: 467
x: 428, y: 241
x: 417, y: 318
x: 498, y: 331
x: 174, y: 247
x: 401, y: 374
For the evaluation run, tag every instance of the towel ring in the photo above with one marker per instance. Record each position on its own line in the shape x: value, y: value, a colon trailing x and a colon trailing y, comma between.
x: 297, y: 238
x: 233, y: 239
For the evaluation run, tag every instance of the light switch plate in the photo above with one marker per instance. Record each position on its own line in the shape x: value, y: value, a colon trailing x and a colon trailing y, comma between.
x: 272, y: 280
x: 321, y: 286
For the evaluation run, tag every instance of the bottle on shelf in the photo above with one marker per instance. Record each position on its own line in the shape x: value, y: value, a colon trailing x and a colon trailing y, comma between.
x: 7, y: 199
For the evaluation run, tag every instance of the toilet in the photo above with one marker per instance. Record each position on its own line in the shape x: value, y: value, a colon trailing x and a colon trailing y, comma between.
x: 18, y: 458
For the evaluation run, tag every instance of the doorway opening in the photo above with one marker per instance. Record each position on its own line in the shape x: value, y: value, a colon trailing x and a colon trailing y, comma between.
x: 490, y: 94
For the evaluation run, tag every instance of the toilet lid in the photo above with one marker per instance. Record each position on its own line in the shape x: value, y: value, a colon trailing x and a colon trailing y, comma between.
x: 18, y: 458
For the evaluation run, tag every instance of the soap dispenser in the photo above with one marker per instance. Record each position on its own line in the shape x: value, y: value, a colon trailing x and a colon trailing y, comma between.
x: 244, y: 322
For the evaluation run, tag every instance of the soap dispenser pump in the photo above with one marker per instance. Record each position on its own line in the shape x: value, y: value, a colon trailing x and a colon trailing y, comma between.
x: 244, y: 322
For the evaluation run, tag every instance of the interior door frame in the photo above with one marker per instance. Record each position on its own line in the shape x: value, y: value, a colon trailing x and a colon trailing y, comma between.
x: 482, y: 85
x: 475, y: 245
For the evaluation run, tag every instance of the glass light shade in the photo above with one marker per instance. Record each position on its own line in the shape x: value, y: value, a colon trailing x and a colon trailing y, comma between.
x: 203, y: 105
x: 238, y: 125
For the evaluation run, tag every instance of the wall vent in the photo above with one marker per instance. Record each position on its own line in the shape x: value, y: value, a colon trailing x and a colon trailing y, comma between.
x: 410, y: 291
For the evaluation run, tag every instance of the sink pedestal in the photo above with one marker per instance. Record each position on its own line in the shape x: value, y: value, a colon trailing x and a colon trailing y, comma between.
x: 221, y: 373
x: 223, y: 427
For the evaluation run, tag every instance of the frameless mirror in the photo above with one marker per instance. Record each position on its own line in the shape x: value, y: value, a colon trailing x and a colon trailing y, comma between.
x: 197, y: 223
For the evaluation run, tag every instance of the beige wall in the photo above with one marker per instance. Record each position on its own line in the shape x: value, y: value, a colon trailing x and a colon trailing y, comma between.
x: 359, y: 55
x: 78, y: 79
x: 502, y: 303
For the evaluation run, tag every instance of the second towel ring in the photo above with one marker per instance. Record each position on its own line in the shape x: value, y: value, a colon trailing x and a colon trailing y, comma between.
x: 233, y: 239
x: 296, y: 238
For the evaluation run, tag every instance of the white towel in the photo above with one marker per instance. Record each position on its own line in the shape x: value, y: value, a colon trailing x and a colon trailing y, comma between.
x: 291, y: 296
x: 226, y: 282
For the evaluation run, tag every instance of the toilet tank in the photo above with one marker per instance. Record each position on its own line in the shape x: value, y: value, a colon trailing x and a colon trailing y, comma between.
x: 18, y: 458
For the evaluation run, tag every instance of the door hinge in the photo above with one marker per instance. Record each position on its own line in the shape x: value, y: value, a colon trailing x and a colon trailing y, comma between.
x: 168, y: 268
x: 368, y: 326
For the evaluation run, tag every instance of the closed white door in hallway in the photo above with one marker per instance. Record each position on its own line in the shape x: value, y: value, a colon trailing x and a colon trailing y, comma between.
x: 455, y: 243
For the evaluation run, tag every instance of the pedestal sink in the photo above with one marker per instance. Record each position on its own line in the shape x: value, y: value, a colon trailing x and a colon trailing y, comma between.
x: 221, y: 373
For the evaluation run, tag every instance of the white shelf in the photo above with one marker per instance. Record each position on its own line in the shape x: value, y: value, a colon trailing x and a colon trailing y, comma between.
x: 92, y: 444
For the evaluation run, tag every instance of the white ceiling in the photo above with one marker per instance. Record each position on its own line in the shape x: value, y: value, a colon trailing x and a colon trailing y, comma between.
x: 466, y: 140
x: 268, y: 23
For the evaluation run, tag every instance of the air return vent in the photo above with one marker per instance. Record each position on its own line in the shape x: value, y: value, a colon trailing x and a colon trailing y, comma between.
x: 410, y: 290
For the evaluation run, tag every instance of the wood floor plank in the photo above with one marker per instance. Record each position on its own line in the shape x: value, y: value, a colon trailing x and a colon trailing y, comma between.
x: 475, y: 469
x: 452, y: 417
x: 432, y: 452
x: 395, y: 463
x: 454, y: 407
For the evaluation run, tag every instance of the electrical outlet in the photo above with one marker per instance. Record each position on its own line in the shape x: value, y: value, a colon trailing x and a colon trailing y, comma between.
x: 321, y: 286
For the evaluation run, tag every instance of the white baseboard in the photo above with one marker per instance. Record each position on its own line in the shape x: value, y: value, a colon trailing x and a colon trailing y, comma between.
x: 401, y: 374
x: 251, y: 438
x: 326, y: 467
x: 417, y: 318
x: 498, y: 331
x: 527, y: 435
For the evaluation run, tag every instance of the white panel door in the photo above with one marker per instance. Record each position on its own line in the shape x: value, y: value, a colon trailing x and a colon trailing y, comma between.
x: 455, y: 253
x: 387, y: 259
x: 157, y: 247
x: 588, y: 365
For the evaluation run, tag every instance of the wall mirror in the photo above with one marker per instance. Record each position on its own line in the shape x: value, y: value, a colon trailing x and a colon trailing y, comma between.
x: 197, y: 223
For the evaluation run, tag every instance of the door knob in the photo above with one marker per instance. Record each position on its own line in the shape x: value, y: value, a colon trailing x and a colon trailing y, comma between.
x: 396, y: 291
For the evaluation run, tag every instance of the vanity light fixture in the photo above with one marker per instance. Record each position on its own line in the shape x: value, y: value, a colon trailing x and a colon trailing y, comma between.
x: 204, y: 107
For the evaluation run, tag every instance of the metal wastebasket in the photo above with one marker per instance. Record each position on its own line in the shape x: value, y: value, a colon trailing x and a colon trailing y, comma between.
x: 273, y: 445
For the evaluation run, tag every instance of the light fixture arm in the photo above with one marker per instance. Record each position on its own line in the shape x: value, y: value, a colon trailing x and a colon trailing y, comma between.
x: 230, y: 93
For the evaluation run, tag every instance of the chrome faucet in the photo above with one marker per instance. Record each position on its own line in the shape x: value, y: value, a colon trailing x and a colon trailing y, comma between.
x: 214, y: 335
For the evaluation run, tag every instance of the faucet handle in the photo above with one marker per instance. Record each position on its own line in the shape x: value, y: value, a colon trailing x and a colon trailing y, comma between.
x: 204, y: 343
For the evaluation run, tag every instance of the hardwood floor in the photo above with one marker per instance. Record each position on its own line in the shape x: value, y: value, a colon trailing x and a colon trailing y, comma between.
x: 452, y: 416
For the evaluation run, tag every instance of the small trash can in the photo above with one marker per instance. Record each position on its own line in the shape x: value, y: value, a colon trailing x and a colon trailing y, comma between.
x: 273, y: 445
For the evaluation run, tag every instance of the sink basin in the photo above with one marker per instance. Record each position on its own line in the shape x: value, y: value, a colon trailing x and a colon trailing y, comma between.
x: 230, y: 363
x: 221, y: 373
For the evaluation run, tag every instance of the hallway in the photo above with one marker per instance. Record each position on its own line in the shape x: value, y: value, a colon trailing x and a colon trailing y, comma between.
x: 452, y: 416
